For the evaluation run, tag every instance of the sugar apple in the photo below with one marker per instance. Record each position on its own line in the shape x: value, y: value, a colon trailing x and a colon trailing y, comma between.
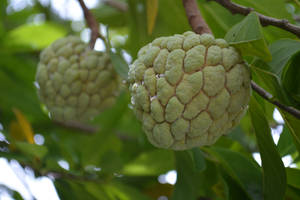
x: 188, y: 90
x: 74, y: 82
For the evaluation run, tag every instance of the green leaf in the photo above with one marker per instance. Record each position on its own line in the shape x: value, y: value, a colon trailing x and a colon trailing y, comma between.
x: 273, y: 85
x: 247, y: 36
x: 285, y: 144
x: 292, y: 193
x: 119, y: 64
x: 271, y: 81
x: 198, y: 158
x: 293, y: 177
x: 150, y: 163
x: 72, y: 190
x: 96, y: 190
x: 34, y: 36
x: 273, y: 185
x: 294, y: 126
x: 245, y: 171
x: 282, y: 51
x: 137, y: 18
x: 32, y: 149
x: 272, y: 8
x: 184, y: 187
x: 106, y: 139
x: 290, y: 78
x: 117, y: 190
x: 110, y: 16
x: 219, y: 19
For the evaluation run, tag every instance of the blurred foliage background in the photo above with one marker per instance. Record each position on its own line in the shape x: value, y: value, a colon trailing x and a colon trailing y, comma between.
x: 118, y: 162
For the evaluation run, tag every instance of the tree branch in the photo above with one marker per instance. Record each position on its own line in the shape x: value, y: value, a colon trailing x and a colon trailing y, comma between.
x: 194, y: 17
x: 78, y: 126
x: 93, y: 25
x: 264, y: 20
x: 191, y: 9
x: 267, y: 96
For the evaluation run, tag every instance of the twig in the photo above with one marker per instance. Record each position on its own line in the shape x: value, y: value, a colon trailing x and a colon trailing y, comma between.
x: 194, y: 16
x: 267, y: 96
x: 78, y: 126
x: 93, y: 25
x: 264, y: 20
x: 60, y: 174
x: 191, y: 6
x: 117, y: 5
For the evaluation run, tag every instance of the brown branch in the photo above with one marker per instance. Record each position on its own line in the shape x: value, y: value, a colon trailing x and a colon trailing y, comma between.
x: 267, y: 96
x: 121, y: 6
x: 92, y: 23
x: 264, y: 20
x: 191, y: 10
x: 194, y: 17
x: 78, y: 126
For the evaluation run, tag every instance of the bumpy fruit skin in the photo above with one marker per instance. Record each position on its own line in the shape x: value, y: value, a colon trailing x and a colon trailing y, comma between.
x: 188, y: 90
x: 75, y: 82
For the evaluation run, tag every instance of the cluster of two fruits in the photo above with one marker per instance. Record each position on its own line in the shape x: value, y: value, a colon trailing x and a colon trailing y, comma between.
x: 187, y: 90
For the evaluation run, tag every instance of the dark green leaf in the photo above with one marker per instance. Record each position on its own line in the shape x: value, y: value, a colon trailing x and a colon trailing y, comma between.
x: 184, y: 187
x: 198, y: 158
x: 271, y: 81
x: 245, y: 171
x: 290, y: 78
x: 274, y: 186
x: 282, y: 51
x: 294, y: 126
x: 285, y: 144
x: 119, y: 64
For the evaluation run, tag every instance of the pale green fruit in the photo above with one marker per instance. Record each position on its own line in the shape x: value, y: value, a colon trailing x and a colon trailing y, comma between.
x: 75, y: 82
x: 188, y: 90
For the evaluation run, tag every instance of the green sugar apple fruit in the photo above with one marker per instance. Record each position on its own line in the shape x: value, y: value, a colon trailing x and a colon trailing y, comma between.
x: 188, y: 90
x: 74, y: 82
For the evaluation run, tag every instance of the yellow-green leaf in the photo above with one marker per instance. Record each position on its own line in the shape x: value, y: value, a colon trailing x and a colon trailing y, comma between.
x: 21, y: 129
x: 152, y: 8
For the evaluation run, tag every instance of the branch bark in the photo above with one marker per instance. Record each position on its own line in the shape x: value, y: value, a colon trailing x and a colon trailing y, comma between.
x: 78, y: 126
x: 92, y: 23
x: 264, y: 20
x: 267, y: 96
x: 191, y: 9
x: 194, y: 17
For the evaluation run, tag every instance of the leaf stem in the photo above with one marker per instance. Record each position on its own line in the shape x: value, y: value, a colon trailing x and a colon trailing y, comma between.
x: 192, y: 12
